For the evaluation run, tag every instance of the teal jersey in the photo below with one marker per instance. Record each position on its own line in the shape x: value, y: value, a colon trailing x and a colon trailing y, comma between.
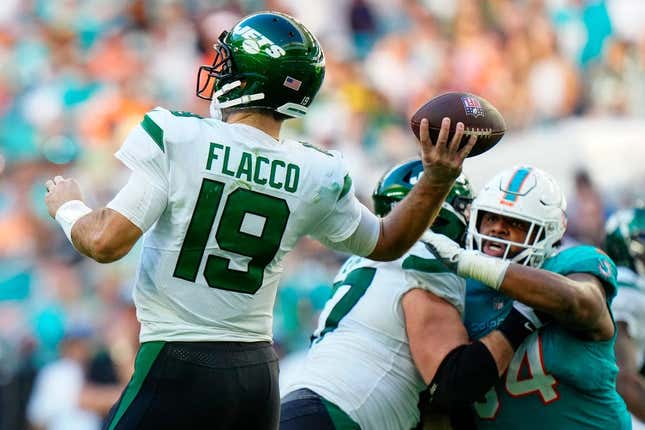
x: 555, y: 380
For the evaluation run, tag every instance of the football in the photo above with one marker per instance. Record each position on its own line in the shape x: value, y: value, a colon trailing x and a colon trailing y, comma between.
x: 478, y: 115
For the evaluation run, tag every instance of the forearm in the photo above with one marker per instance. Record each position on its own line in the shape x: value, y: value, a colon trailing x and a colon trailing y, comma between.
x: 91, y: 236
x: 576, y: 301
x: 464, y: 375
x: 468, y: 371
x: 407, y: 221
x: 570, y: 302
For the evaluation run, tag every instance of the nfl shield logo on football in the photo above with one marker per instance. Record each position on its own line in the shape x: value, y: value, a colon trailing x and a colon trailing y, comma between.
x: 472, y: 106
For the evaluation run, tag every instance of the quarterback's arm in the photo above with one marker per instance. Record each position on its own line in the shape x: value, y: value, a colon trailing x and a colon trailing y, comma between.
x: 629, y: 383
x: 106, y: 234
x: 401, y: 228
x: 442, y: 162
x: 457, y: 372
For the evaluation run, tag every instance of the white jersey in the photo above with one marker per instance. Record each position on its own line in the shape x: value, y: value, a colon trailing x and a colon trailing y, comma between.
x: 629, y: 306
x: 360, y: 357
x: 237, y: 202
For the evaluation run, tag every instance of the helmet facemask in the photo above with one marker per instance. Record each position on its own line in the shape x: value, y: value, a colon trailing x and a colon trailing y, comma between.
x: 452, y: 219
x: 528, y: 195
x: 222, y: 68
x: 535, y: 248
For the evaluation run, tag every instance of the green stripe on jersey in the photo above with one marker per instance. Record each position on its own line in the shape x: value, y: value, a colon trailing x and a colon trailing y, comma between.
x: 347, y: 185
x: 183, y: 113
x: 154, y: 131
x: 424, y: 265
x: 148, y: 353
x: 339, y: 418
x: 358, y: 280
x: 314, y: 147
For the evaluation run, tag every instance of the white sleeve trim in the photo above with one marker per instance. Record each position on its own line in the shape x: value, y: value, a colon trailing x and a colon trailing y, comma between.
x: 139, y: 201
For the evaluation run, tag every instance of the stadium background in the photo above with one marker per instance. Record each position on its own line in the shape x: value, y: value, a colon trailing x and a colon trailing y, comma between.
x: 77, y: 75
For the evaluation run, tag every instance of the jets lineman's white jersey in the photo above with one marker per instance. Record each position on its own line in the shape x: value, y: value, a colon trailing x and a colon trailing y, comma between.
x: 237, y: 202
x: 629, y: 306
x: 360, y: 358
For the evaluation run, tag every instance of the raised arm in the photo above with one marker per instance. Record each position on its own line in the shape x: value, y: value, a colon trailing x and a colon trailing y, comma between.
x: 442, y: 162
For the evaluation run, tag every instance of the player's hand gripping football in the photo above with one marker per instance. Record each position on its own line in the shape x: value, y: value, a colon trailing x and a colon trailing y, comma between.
x: 60, y: 191
x: 442, y: 160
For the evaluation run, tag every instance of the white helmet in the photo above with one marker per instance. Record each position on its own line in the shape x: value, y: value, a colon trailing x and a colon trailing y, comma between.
x: 527, y: 194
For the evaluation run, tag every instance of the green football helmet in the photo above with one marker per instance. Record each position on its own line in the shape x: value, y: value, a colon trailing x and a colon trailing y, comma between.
x: 397, y: 183
x: 269, y: 61
x: 625, y: 239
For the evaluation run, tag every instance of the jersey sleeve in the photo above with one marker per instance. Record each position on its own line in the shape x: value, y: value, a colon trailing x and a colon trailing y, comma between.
x: 144, y: 150
x: 628, y: 307
x: 586, y: 259
x: 343, y: 218
x: 139, y: 201
x: 423, y: 270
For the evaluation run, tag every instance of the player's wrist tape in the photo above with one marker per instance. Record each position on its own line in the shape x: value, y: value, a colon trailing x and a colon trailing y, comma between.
x: 488, y: 270
x: 69, y: 213
x: 516, y: 327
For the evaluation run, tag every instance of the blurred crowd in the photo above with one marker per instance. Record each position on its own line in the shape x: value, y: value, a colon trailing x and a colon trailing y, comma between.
x: 77, y: 75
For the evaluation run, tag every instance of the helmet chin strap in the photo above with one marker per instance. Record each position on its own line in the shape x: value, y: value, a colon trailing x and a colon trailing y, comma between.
x: 215, y: 112
x: 216, y: 106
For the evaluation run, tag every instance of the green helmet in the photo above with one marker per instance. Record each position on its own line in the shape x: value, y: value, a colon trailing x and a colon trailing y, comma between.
x: 397, y: 183
x: 625, y: 239
x: 267, y: 61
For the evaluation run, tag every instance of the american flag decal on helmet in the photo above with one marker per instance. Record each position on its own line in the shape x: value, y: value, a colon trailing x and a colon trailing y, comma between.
x: 292, y: 83
x: 472, y: 106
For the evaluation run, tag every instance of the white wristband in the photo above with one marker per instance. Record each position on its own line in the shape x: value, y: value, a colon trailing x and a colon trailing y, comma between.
x: 488, y: 270
x: 69, y: 213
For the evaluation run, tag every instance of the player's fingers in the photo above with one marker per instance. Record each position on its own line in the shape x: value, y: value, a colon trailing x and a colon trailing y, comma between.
x: 456, y: 139
x: 58, y: 179
x: 463, y: 152
x: 442, y: 139
x: 49, y: 185
x: 424, y: 132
